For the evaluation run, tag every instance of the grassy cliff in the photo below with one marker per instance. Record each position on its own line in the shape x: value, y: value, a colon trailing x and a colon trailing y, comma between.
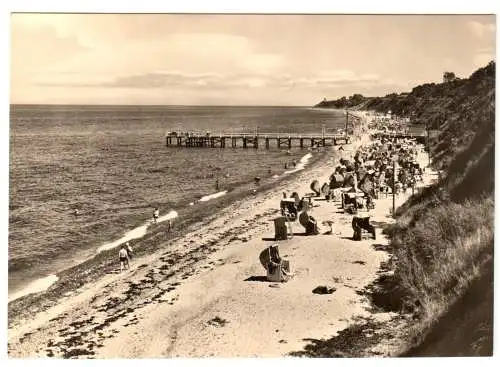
x: 442, y: 242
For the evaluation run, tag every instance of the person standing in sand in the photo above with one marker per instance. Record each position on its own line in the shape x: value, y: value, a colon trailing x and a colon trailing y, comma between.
x: 124, y: 259
x: 156, y: 215
x: 129, y: 250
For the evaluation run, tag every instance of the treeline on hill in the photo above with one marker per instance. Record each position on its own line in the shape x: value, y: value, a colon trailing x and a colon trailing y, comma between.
x: 442, y: 242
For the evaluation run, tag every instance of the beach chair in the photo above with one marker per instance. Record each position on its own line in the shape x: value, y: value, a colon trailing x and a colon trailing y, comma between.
x: 370, y: 204
x: 279, y: 273
x: 325, y: 191
x: 308, y: 222
x: 350, y: 202
x: 361, y: 226
x: 278, y: 270
x: 289, y: 209
x: 282, y: 229
x: 316, y: 188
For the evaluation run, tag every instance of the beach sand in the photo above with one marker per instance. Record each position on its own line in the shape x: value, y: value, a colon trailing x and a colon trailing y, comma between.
x: 206, y: 295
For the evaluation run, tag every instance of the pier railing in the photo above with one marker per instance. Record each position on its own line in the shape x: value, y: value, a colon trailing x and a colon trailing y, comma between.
x: 191, y: 139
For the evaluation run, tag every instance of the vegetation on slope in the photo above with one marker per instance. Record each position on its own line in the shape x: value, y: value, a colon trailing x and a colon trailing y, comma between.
x: 442, y: 242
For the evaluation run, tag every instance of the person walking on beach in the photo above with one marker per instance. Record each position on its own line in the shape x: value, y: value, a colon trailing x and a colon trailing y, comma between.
x: 129, y: 250
x: 124, y: 259
x: 156, y: 215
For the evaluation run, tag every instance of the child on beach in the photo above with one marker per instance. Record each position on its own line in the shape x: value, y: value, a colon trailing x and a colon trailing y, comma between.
x: 156, y: 214
x: 124, y: 259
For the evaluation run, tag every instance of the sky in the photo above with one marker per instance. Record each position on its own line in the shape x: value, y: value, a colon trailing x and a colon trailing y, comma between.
x: 202, y: 59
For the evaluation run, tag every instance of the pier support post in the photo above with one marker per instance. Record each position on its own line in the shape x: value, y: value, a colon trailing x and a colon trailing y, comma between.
x: 191, y: 140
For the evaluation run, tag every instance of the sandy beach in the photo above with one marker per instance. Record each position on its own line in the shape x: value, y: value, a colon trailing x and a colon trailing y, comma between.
x: 206, y: 295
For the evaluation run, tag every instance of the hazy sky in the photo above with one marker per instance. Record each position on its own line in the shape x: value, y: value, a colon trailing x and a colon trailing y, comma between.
x: 237, y: 59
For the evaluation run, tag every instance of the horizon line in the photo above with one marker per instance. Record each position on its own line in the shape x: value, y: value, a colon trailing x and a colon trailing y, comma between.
x: 153, y: 105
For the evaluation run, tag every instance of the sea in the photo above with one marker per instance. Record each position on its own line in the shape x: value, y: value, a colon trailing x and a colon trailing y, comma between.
x: 111, y: 164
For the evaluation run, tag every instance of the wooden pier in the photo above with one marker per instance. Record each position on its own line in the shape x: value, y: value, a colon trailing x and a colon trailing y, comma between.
x: 279, y: 140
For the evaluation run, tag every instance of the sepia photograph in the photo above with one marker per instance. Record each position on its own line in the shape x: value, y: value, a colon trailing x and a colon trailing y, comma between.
x: 234, y: 185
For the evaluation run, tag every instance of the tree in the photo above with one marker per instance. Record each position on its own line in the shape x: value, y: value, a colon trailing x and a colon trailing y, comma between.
x: 448, y: 76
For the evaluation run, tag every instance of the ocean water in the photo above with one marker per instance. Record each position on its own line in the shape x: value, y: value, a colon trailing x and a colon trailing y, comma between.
x: 111, y: 164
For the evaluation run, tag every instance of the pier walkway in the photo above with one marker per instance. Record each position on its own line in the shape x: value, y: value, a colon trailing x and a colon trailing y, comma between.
x: 246, y: 140
x: 279, y: 140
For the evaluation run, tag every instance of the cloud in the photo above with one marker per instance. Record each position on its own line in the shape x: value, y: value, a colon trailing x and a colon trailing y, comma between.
x: 131, y: 58
x: 178, y: 79
x: 38, y: 47
x: 481, y: 29
x: 334, y: 78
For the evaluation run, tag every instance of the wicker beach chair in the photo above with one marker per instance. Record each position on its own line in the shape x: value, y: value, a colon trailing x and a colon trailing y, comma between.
x: 278, y: 270
x: 362, y: 225
x: 289, y: 209
x: 282, y: 229
x: 307, y: 221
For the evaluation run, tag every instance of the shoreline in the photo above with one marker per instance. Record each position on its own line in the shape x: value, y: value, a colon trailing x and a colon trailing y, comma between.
x: 182, y: 226
x: 156, y: 297
x: 44, y: 282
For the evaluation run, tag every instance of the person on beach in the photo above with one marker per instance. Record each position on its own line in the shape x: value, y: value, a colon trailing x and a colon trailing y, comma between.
x: 124, y: 259
x: 129, y: 250
x: 156, y: 215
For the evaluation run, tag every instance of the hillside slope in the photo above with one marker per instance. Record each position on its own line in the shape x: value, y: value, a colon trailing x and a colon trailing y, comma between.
x: 442, y: 242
